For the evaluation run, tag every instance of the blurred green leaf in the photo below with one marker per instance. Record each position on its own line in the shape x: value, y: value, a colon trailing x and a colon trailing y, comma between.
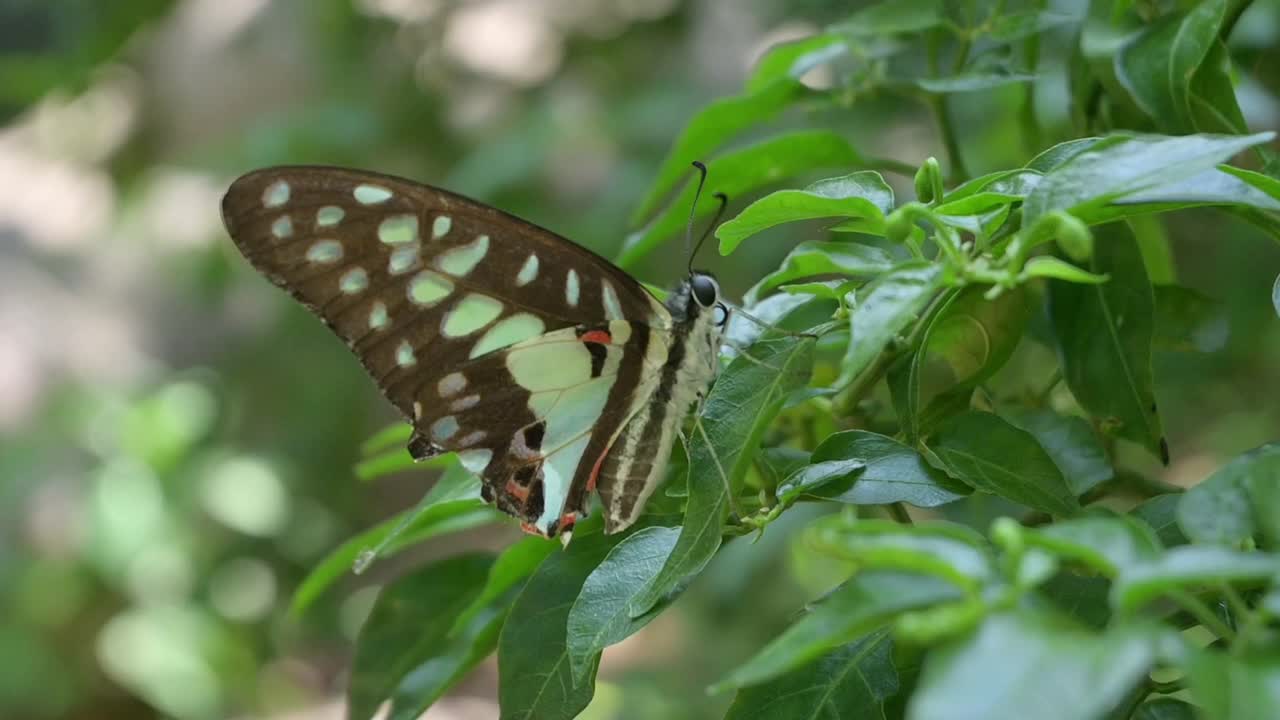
x: 1157, y: 65
x: 1007, y: 27
x: 1019, y: 665
x: 893, y: 16
x: 849, y: 682
x: 1165, y: 708
x: 1082, y: 597
x: 517, y: 562
x: 1222, y: 508
x: 1161, y: 513
x: 738, y: 172
x: 1112, y: 171
x: 401, y: 531
x: 886, y: 306
x: 397, y: 433
x: 1047, y: 266
x: 865, y: 468
x: 945, y: 550
x: 742, y: 403
x: 1187, y: 321
x: 1188, y: 567
x: 1214, y: 107
x: 599, y: 616
x: 991, y: 455
x: 1062, y: 153
x: 1104, y: 334
x: 971, y: 81
x: 815, y: 258
x: 867, y: 601
x: 403, y: 649
x: 1070, y: 442
x: 1234, y: 688
x: 791, y: 60
x: 1104, y: 543
x: 863, y: 195
x: 535, y: 680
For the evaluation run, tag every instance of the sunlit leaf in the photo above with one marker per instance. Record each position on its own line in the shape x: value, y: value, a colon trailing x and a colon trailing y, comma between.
x: 863, y: 195
x: 816, y: 258
x: 885, y: 308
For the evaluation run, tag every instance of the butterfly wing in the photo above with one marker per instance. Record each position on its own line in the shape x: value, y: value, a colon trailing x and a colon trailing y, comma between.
x: 456, y: 310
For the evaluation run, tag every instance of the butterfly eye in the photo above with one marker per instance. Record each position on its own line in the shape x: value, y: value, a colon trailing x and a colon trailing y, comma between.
x: 721, y: 315
x: 705, y: 290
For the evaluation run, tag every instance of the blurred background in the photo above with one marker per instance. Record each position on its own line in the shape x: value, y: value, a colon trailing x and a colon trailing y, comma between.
x: 177, y: 437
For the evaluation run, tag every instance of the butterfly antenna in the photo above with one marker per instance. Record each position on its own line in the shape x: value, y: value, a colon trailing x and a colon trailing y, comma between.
x: 724, y: 202
x: 693, y: 210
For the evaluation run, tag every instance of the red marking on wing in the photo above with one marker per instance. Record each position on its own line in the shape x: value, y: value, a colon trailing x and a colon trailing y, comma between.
x: 567, y: 521
x: 596, y: 336
x: 531, y: 529
x: 595, y: 472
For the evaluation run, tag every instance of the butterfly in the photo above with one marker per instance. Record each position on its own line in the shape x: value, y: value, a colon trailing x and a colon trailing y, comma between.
x: 551, y: 372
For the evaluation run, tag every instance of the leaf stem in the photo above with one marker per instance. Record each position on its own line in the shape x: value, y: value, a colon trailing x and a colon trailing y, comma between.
x: 1201, y: 612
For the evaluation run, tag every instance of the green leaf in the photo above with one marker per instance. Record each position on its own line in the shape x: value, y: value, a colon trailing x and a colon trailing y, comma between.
x: 1104, y: 335
x: 1047, y: 266
x: 535, y: 680
x: 1070, y: 442
x: 1187, y: 321
x: 867, y: 601
x: 1083, y: 597
x: 946, y: 550
x: 791, y: 60
x: 865, y: 468
x: 387, y: 438
x: 711, y: 128
x: 1275, y: 295
x: 863, y: 195
x: 1214, y: 107
x: 739, y: 172
x: 814, y: 258
x: 1161, y: 513
x: 1223, y: 508
x: 1018, y: 663
x: 1104, y: 543
x: 511, y: 567
x: 1157, y: 65
x: 852, y: 681
x: 1188, y: 567
x: 971, y: 81
x: 599, y: 616
x: 391, y: 536
x: 989, y: 191
x: 992, y: 455
x: 1214, y: 186
x: 885, y: 308
x: 1110, y: 171
x: 1017, y: 25
x: 742, y: 403
x: 893, y: 16
x: 1060, y: 154
x: 404, y: 640
x: 1234, y: 688
x: 1165, y: 708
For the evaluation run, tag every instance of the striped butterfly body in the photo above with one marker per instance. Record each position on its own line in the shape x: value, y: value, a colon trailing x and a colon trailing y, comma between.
x: 548, y: 370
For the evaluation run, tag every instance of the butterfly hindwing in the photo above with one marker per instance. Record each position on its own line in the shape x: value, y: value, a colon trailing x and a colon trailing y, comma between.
x: 458, y: 310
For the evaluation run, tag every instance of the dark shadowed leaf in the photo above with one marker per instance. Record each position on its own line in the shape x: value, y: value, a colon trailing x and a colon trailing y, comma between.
x: 863, y: 195
x: 740, y: 406
x: 886, y: 306
x: 1018, y: 665
x: 851, y: 681
x: 819, y: 258
x: 1232, y: 688
x: 1070, y: 442
x: 1187, y: 321
x: 405, y: 638
x: 741, y: 171
x: 1083, y: 597
x: 992, y: 455
x: 390, y: 537
x: 1165, y: 708
x: 1161, y: 513
x: 1157, y: 65
x: 1214, y: 107
x: 510, y: 568
x: 869, y: 600
x: 1104, y: 335
x: 535, y: 681
x: 1017, y: 25
x: 599, y: 616
x: 1188, y: 567
x: 1221, y: 509
x: 865, y: 468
